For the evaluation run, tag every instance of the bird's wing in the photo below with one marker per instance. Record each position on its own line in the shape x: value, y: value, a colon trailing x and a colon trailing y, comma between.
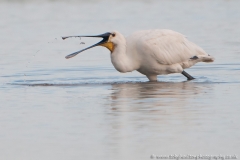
x: 167, y: 47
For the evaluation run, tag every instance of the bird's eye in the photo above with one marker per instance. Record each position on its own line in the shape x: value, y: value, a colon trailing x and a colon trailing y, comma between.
x: 113, y: 34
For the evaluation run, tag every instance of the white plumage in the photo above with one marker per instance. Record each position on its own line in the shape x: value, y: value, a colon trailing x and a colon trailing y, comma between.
x: 152, y: 52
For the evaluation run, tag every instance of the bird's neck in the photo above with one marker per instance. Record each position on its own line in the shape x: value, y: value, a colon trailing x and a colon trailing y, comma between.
x: 121, y: 60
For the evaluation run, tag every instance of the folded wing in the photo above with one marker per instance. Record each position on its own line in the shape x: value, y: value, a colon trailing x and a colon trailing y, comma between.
x: 167, y: 47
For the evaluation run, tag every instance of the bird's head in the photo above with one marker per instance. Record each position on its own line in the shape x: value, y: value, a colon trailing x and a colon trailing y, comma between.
x: 110, y: 40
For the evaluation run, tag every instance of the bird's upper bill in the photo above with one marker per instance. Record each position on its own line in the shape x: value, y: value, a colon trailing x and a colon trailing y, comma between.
x: 104, y: 42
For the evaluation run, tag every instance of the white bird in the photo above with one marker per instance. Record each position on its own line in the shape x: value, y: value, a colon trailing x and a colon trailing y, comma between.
x: 151, y: 52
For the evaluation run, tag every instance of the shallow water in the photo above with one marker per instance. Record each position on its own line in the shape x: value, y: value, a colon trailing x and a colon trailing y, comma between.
x: 82, y: 108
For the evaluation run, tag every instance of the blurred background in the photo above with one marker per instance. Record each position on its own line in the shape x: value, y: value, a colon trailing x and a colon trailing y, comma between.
x: 53, y: 108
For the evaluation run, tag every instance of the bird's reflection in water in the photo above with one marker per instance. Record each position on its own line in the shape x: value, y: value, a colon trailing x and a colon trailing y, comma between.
x: 160, y: 101
x: 155, y: 113
x: 154, y: 94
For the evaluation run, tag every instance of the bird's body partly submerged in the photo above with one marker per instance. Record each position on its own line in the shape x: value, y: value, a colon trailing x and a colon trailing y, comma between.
x: 152, y: 52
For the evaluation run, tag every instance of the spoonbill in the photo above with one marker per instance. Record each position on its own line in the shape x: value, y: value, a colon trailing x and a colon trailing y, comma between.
x: 150, y: 52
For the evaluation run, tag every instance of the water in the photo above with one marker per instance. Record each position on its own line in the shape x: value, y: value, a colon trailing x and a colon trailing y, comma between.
x: 82, y: 108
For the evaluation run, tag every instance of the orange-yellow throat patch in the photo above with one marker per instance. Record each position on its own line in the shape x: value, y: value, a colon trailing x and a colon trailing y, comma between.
x: 108, y: 45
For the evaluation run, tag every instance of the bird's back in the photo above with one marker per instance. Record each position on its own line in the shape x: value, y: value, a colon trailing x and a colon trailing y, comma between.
x: 165, y: 46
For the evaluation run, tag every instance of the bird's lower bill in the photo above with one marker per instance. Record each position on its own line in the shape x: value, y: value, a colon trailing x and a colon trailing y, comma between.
x: 104, y: 42
x: 108, y: 45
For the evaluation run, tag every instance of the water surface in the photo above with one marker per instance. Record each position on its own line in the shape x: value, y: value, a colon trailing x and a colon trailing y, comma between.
x: 82, y: 108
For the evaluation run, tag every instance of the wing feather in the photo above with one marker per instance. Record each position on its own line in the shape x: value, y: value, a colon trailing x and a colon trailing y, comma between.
x: 166, y: 46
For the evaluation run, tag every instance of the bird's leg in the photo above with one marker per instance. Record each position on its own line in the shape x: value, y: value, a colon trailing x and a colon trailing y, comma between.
x: 152, y: 78
x: 189, y: 77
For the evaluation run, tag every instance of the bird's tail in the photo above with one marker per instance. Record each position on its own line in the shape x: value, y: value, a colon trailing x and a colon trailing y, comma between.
x: 206, y: 58
x: 195, y: 59
x: 202, y: 58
